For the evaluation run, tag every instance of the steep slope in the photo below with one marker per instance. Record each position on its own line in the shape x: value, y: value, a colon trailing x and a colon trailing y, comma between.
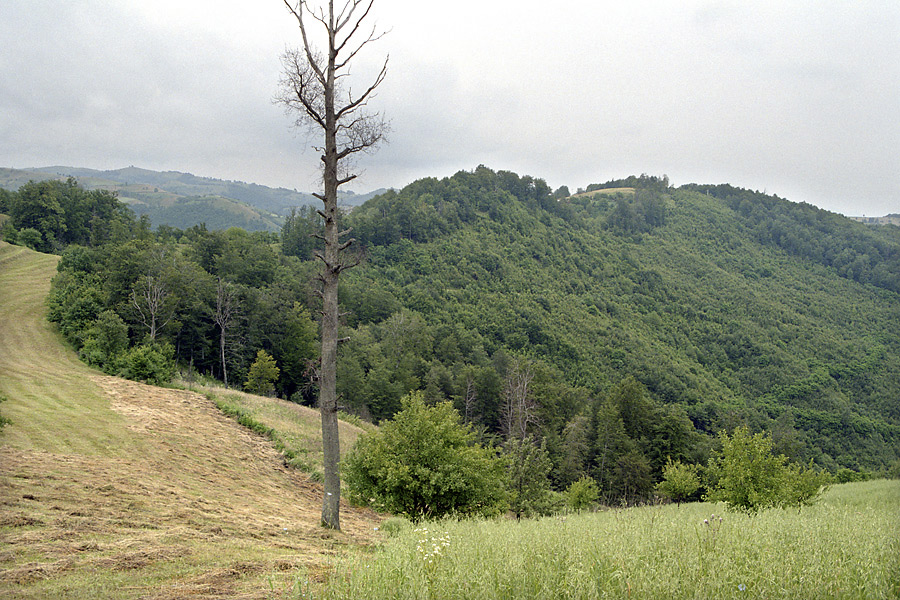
x: 111, y: 488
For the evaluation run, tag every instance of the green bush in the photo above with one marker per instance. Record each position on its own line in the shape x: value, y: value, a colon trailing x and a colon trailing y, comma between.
x: 263, y: 375
x: 8, y: 232
x: 849, y: 475
x: 528, y: 470
x: 747, y: 476
x: 151, y: 363
x: 425, y: 464
x: 31, y: 238
x: 105, y: 341
x: 894, y: 470
x: 801, y: 486
x: 582, y: 494
x: 680, y: 482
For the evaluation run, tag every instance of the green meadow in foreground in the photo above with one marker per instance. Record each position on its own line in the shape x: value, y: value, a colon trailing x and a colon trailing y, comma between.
x: 845, y: 546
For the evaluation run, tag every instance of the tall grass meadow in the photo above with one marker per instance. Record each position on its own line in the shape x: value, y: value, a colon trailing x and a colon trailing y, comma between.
x: 845, y: 546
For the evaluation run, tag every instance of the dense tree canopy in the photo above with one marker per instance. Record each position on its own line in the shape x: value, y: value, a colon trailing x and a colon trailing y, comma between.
x: 642, y: 338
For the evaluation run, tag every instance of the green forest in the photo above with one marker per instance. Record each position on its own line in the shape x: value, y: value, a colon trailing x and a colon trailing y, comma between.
x: 622, y: 327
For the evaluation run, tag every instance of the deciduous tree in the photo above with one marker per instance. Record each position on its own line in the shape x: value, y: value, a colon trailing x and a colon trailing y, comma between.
x: 314, y: 90
x: 425, y: 464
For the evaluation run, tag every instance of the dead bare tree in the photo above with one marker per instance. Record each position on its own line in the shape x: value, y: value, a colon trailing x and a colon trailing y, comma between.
x: 314, y: 88
x: 470, y: 397
x: 224, y: 317
x: 519, y: 406
x: 150, y: 298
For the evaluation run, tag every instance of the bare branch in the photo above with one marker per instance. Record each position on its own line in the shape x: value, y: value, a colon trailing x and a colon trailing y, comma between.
x: 311, y: 87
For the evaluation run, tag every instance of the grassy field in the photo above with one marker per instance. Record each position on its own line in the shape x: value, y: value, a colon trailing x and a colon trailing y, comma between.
x: 846, y: 546
x: 113, y: 489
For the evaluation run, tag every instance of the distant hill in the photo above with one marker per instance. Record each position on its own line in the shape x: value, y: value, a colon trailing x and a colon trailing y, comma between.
x: 182, y: 199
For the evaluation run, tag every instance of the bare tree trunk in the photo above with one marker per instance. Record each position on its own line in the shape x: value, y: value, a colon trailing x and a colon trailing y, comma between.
x: 310, y: 87
x: 470, y: 397
x: 222, y: 348
x: 226, y: 310
x: 150, y: 304
x: 519, y: 406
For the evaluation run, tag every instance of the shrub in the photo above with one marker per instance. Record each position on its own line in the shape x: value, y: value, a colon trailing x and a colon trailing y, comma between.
x: 262, y: 376
x: 528, y: 470
x: 8, y: 232
x: 747, y: 476
x: 425, y: 464
x: 848, y: 476
x: 582, y: 494
x: 801, y: 486
x: 105, y: 341
x: 31, y: 238
x: 680, y: 482
x: 151, y: 363
x: 894, y: 470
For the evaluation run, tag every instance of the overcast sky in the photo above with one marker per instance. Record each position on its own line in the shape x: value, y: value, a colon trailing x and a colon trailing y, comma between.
x: 796, y: 98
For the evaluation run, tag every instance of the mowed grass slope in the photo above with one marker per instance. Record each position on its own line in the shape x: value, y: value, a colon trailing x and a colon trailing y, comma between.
x: 114, y: 489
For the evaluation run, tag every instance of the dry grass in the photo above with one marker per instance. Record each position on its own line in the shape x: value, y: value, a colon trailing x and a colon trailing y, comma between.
x: 297, y: 428
x: 114, y: 489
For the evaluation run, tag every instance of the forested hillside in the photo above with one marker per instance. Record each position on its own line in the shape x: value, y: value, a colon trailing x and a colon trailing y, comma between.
x: 618, y: 327
x: 734, y: 306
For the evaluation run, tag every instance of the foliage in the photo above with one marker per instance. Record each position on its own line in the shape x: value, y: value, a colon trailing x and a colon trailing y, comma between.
x: 680, y: 482
x: 425, y: 464
x: 694, y: 308
x: 298, y: 232
x: 8, y: 231
x: 50, y: 215
x: 849, y: 476
x: 802, y: 486
x: 582, y: 494
x: 263, y: 374
x: 528, y: 470
x: 862, y: 254
x: 105, y: 341
x: 747, y: 476
x: 30, y: 238
x: 650, y: 343
x: 151, y: 363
